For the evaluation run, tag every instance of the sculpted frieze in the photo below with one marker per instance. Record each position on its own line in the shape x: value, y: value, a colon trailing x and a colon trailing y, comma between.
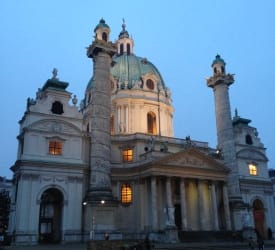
x: 54, y: 127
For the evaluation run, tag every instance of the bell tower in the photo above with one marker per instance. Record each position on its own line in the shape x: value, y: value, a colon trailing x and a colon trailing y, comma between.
x: 220, y: 82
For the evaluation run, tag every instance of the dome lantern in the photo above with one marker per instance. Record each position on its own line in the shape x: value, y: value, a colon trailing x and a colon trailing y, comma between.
x: 218, y: 65
x: 125, y: 44
x: 102, y: 31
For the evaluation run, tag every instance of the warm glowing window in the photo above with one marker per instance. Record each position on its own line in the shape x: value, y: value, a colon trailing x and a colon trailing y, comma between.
x: 126, y: 194
x: 55, y: 147
x: 252, y: 169
x: 127, y: 155
x: 151, y: 123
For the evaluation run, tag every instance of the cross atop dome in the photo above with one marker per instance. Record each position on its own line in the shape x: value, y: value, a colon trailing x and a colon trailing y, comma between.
x: 124, y: 33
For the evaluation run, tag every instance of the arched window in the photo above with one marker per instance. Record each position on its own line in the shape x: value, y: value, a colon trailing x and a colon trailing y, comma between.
x: 126, y: 194
x: 248, y: 139
x: 151, y: 123
x: 150, y: 84
x: 104, y: 36
x: 121, y: 48
x: 128, y: 49
x: 57, y: 108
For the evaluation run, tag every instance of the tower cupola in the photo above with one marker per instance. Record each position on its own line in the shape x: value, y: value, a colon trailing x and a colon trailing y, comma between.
x: 102, y: 31
x: 125, y: 44
x: 218, y: 66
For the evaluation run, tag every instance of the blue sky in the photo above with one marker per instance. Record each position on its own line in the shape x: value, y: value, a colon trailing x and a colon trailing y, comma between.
x: 180, y: 37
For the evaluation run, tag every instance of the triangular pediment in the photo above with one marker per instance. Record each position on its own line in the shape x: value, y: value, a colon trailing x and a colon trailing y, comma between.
x: 190, y: 161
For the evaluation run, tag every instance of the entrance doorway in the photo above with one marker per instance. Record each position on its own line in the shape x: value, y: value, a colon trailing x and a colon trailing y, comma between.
x: 178, y: 216
x: 50, y: 216
x: 259, y: 218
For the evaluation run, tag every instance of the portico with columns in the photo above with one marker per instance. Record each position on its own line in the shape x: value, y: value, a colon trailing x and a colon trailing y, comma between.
x: 186, y: 191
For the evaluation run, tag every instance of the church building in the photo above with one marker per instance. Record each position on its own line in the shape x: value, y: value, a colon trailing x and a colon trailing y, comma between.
x: 110, y: 164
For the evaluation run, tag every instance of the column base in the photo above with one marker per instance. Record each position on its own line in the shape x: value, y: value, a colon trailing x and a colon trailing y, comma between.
x: 171, y: 234
x: 249, y: 232
x: 236, y: 201
x: 100, y: 196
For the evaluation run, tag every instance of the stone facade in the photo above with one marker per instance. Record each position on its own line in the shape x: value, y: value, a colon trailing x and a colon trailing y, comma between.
x: 111, y: 166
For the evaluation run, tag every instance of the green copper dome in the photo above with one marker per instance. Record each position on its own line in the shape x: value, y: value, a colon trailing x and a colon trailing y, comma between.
x: 129, y: 71
x: 101, y: 24
x: 131, y: 68
x: 218, y: 59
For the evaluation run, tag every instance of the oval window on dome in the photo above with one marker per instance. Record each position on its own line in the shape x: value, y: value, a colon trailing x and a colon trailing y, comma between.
x: 150, y: 84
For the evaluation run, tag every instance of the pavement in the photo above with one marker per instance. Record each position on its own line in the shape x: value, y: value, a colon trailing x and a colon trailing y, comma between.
x: 72, y: 246
x: 269, y: 245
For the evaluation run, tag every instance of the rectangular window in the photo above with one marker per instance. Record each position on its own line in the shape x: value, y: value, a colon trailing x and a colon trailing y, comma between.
x: 55, y: 148
x: 127, y: 155
x: 126, y: 194
x: 252, y: 169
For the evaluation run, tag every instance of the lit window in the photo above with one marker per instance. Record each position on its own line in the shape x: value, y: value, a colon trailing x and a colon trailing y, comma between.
x: 127, y: 155
x: 55, y: 147
x: 126, y: 194
x: 151, y: 123
x: 252, y: 169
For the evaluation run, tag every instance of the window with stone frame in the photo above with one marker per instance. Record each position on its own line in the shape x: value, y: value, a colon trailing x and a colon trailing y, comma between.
x: 151, y: 123
x: 126, y: 194
x: 55, y: 147
x: 248, y: 139
x: 57, y: 108
x: 252, y: 169
x: 150, y: 84
x: 127, y: 155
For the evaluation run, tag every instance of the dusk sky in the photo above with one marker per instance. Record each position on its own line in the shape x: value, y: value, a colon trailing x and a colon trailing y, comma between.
x: 181, y: 38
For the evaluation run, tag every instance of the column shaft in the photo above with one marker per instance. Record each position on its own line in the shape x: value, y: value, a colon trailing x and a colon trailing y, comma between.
x: 214, y: 207
x: 201, y: 205
x: 183, y: 204
x: 154, y: 203
x: 226, y: 207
